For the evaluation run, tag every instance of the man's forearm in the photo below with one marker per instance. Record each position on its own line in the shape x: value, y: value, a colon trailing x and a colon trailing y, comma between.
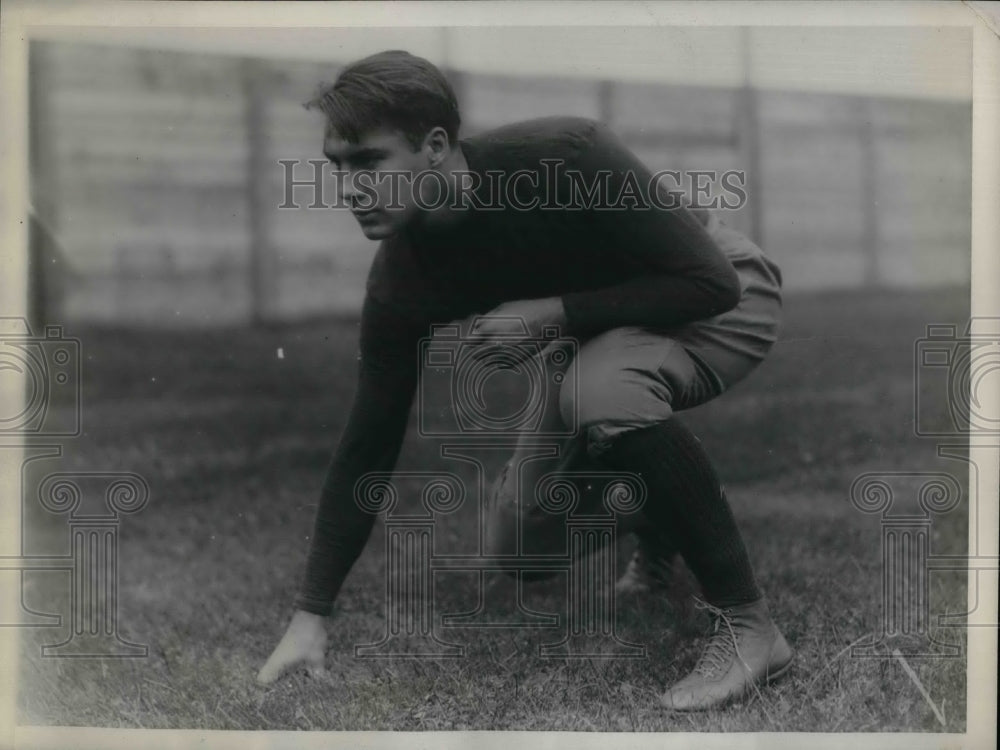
x: 341, y: 529
x: 652, y: 301
x: 387, y: 379
x: 340, y: 533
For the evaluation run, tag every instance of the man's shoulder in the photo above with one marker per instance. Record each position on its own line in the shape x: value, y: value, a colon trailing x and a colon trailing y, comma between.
x: 532, y: 140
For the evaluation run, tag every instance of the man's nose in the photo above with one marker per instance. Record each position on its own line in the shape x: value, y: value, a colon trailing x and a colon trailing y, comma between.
x: 348, y: 186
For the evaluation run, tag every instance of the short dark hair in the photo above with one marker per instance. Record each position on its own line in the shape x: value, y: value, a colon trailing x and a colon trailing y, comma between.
x: 391, y: 89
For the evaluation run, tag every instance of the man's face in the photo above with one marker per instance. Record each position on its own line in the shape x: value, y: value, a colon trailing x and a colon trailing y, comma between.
x: 377, y: 179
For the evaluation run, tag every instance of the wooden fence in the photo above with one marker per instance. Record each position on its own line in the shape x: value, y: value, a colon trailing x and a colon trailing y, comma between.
x: 159, y: 174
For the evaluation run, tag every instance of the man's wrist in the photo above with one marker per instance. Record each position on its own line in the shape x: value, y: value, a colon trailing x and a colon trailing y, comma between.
x: 558, y: 315
x: 317, y: 607
x: 563, y: 317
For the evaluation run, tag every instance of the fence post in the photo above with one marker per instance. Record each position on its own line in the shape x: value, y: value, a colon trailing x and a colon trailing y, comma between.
x: 45, y: 262
x: 263, y: 267
x: 869, y: 191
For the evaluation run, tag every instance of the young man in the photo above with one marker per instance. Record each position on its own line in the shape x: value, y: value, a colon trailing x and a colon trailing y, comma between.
x: 669, y: 310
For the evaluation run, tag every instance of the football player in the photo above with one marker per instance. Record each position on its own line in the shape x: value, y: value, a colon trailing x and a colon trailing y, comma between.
x: 551, y: 222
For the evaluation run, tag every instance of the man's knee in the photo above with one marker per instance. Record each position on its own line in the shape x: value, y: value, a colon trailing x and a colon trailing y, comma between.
x: 595, y: 394
x: 611, y: 392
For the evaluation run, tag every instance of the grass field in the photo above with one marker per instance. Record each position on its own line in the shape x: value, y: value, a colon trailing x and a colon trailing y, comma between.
x: 234, y: 442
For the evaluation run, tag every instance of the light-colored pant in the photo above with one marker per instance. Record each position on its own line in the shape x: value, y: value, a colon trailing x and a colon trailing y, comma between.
x: 628, y: 378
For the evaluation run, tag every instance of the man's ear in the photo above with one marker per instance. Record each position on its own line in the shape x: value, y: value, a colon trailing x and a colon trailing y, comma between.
x: 436, y: 146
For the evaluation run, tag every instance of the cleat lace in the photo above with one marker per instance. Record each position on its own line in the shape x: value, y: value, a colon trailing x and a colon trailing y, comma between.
x: 722, y: 643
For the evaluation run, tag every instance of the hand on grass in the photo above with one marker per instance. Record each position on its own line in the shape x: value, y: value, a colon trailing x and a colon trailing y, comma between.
x: 303, y: 646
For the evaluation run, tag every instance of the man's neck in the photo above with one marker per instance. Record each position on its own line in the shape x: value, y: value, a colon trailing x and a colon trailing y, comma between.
x: 452, y: 168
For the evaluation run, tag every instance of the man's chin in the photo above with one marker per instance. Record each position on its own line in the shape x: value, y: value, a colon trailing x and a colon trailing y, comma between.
x: 377, y: 232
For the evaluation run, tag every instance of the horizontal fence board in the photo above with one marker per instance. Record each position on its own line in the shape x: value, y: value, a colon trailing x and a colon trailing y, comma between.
x: 152, y: 166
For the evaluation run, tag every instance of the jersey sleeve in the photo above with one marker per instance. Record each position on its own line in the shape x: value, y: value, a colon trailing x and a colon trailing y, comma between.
x: 387, y: 377
x: 681, y: 275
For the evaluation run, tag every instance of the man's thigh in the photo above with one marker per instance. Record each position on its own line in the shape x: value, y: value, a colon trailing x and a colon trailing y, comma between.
x: 630, y: 378
x: 731, y: 345
x: 624, y: 379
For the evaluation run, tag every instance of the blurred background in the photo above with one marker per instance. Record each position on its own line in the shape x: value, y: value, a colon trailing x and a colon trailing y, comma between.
x: 218, y: 349
x: 156, y: 175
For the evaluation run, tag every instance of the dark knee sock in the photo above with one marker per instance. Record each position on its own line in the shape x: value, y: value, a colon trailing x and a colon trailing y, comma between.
x: 686, y: 497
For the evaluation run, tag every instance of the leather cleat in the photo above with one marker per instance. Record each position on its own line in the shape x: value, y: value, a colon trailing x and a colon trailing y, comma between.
x: 744, y: 650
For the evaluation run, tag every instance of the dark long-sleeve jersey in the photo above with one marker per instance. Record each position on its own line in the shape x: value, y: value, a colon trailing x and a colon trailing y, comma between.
x: 613, y: 263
